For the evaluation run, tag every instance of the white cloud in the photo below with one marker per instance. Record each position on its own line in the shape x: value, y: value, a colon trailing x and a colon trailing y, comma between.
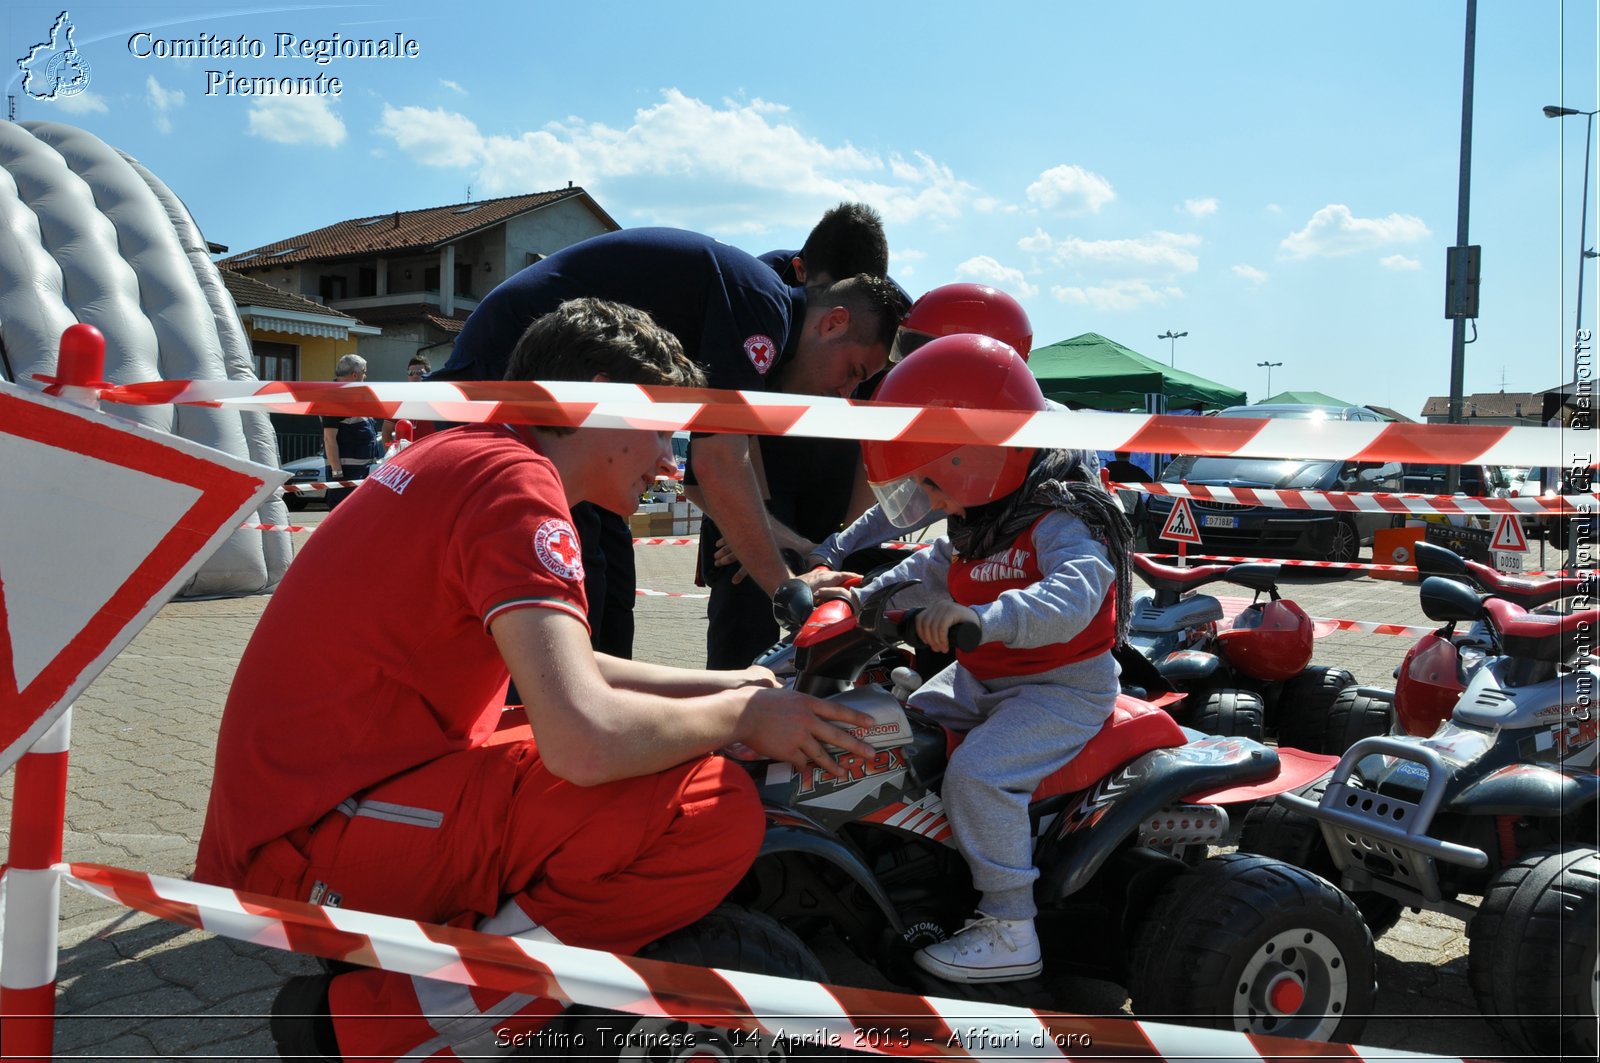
x: 903, y: 261
x: 1250, y: 273
x: 748, y: 166
x: 1199, y: 208
x: 1116, y: 296
x: 1399, y: 262
x: 84, y: 102
x: 1038, y: 244
x: 1273, y: 208
x: 988, y: 270
x: 1333, y: 230
x: 1158, y: 250
x: 296, y: 120
x: 1071, y: 188
x: 453, y: 86
x: 161, y: 101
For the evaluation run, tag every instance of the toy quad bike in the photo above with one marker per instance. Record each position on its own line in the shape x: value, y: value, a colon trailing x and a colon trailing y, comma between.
x: 1252, y: 678
x: 1125, y: 894
x: 1499, y: 802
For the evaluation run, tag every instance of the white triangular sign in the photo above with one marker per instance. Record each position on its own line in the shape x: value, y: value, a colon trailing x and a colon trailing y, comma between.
x: 1508, y: 535
x: 1181, y: 526
x: 57, y: 563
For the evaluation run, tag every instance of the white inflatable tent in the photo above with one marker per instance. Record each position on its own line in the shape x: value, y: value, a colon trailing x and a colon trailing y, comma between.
x: 87, y: 234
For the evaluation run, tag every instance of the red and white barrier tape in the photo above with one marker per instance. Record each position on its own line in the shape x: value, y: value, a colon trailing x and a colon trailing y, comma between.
x: 1372, y: 502
x: 1371, y: 627
x: 606, y: 405
x: 1402, y: 573
x: 835, y: 1015
x: 641, y: 592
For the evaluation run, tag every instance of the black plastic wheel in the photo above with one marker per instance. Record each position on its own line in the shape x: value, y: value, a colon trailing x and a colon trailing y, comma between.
x: 1352, y: 717
x: 1274, y: 829
x: 1232, y: 712
x: 1248, y: 943
x: 1535, y: 958
x: 732, y: 938
x: 1304, y: 704
x: 1346, y: 542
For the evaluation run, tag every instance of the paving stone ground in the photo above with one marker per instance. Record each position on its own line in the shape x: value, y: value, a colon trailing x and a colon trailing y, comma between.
x: 142, y: 742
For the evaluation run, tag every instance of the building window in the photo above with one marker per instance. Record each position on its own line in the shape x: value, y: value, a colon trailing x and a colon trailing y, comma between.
x: 430, y: 279
x: 367, y: 283
x: 331, y: 288
x: 276, y: 361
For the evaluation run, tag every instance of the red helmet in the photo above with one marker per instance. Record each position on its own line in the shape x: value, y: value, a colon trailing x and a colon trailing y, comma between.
x: 1428, y: 686
x: 1269, y: 641
x: 962, y: 372
x: 952, y: 308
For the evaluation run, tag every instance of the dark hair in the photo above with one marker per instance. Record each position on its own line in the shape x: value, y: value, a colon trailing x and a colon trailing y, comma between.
x: 876, y: 305
x: 848, y: 240
x: 419, y: 359
x: 583, y: 338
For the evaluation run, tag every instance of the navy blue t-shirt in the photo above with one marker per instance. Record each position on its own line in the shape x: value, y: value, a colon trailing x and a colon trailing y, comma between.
x: 734, y: 316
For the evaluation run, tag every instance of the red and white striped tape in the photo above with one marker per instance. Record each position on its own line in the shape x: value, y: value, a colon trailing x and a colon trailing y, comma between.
x: 606, y: 405
x: 1371, y: 502
x: 1371, y: 627
x: 836, y: 1015
x: 642, y: 593
x: 1401, y: 573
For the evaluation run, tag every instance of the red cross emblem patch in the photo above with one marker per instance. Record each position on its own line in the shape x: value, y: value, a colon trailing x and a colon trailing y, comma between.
x: 557, y: 546
x: 761, y: 351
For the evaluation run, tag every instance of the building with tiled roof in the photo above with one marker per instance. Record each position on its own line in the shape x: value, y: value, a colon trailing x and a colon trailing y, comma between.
x: 418, y: 274
x: 1489, y: 407
x: 293, y: 338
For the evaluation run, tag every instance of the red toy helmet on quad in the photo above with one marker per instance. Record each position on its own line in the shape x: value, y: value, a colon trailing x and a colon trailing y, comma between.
x: 960, y: 372
x: 956, y: 308
x: 1428, y: 685
x: 1270, y: 641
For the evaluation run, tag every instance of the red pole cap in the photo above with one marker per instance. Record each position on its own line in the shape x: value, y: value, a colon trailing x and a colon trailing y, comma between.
x: 405, y: 430
x: 82, y: 361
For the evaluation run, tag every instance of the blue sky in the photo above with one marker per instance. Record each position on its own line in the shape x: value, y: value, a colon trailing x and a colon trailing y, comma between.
x: 1277, y: 180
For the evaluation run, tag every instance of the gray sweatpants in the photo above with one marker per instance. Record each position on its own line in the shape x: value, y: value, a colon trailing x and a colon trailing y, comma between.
x: 1020, y: 730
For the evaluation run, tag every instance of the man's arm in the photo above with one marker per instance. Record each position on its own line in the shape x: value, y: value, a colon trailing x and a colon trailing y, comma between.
x: 590, y: 732
x: 330, y: 449
x: 732, y: 499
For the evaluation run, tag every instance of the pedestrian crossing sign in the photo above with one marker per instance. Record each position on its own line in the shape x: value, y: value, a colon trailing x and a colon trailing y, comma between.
x: 1181, y: 526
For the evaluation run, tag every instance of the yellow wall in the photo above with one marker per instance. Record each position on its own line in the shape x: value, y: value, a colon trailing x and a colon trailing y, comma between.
x: 317, y: 356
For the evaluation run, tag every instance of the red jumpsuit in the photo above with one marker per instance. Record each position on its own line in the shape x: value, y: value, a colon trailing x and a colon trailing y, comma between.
x: 358, y: 763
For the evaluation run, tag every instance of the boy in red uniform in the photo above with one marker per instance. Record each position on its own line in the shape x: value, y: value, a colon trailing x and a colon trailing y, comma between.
x: 1036, y: 556
x: 374, y: 778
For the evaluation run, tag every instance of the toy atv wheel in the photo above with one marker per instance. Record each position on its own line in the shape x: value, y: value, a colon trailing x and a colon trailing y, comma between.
x: 1304, y: 704
x: 732, y: 938
x: 1276, y: 830
x: 1256, y: 945
x: 1239, y: 713
x: 1354, y: 716
x: 1534, y: 965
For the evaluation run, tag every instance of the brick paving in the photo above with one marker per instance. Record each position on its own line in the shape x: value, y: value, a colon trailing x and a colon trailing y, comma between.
x: 143, y: 734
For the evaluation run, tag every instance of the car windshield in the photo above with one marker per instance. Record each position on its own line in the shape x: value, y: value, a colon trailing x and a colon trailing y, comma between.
x: 1249, y: 472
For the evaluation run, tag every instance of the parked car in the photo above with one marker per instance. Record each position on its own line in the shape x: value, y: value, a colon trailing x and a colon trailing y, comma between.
x: 304, y: 471
x: 1476, y: 481
x: 1236, y: 528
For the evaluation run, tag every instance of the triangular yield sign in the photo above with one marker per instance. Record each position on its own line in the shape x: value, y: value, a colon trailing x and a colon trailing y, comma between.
x: 105, y: 519
x: 1181, y: 526
x: 1508, y: 535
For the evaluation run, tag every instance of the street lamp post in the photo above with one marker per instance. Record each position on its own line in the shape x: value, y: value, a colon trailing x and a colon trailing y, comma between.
x: 1583, y: 208
x: 1172, y: 359
x: 1269, y: 367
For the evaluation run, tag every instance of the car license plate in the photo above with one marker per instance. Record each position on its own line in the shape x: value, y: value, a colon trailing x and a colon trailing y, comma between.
x: 1219, y: 522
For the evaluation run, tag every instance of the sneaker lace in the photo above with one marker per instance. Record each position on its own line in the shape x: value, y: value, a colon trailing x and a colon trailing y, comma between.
x: 989, y: 927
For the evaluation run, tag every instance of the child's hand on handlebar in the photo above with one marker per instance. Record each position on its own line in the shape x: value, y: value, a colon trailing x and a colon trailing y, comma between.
x: 935, y: 621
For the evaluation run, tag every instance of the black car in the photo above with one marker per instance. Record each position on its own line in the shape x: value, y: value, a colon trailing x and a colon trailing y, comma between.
x: 1237, y: 529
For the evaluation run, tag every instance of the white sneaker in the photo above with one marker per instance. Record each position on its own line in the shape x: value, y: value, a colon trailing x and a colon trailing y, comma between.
x: 985, y: 950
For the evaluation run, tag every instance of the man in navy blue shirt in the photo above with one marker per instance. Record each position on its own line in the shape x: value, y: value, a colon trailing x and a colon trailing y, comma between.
x: 735, y: 317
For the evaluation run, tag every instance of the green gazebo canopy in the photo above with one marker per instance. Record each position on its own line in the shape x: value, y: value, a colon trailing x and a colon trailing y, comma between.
x: 1314, y: 398
x: 1091, y: 370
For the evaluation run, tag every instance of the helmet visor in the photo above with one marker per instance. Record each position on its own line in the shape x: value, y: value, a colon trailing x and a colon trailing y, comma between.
x: 905, y: 501
x: 905, y: 341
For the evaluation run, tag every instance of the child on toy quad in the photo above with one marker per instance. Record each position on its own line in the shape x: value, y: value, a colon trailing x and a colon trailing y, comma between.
x: 1036, y: 558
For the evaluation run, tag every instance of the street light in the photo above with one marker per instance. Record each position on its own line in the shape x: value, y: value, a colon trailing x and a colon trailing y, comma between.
x: 1269, y: 367
x: 1552, y: 111
x: 1173, y: 351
